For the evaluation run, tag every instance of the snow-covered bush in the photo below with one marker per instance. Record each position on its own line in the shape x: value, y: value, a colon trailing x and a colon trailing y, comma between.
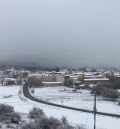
x: 36, y: 113
x: 79, y: 127
x: 8, y: 126
x: 29, y: 126
x: 15, y: 118
x: 41, y: 121
x: 32, y: 91
x: 47, y: 123
x: 64, y: 121
x: 51, y: 123
x: 8, y: 115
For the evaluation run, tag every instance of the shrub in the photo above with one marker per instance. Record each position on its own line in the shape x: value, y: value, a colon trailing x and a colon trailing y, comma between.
x: 116, y: 85
x: 41, y: 121
x: 51, y: 123
x: 32, y: 91
x: 80, y: 127
x: 34, y: 82
x: 115, y: 82
x: 10, y: 126
x: 47, y: 123
x: 36, y: 113
x: 64, y: 121
x: 104, y: 91
x: 8, y: 115
x: 28, y: 126
x: 15, y: 118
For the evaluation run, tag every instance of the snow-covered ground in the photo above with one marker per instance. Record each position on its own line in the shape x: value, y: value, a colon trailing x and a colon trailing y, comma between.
x: 79, y: 99
x: 9, y: 95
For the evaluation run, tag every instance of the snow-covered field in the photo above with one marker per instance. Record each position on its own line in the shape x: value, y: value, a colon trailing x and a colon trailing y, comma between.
x: 9, y: 95
x: 79, y: 99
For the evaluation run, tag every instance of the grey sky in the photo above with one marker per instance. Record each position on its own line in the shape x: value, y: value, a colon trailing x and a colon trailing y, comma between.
x: 61, y: 32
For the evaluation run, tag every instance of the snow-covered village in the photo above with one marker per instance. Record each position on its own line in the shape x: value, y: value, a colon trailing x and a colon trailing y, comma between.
x: 59, y: 64
x: 72, y: 88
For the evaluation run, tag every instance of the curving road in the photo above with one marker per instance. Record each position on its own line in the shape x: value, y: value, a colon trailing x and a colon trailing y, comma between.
x: 29, y: 96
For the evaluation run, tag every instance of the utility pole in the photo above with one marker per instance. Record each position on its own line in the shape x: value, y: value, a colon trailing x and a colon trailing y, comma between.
x: 95, y: 110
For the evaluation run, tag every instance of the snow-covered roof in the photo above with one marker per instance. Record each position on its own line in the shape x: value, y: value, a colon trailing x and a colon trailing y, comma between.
x: 51, y: 82
x: 97, y: 79
x: 11, y: 79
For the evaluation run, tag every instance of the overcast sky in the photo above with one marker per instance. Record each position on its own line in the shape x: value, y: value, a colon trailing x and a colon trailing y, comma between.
x: 61, y: 32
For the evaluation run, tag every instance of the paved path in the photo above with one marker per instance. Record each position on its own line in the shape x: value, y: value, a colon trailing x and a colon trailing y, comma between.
x: 29, y: 96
